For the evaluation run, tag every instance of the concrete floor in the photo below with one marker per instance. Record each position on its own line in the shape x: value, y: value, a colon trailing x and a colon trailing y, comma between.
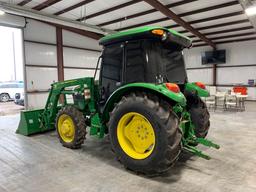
x: 9, y: 108
x: 40, y: 163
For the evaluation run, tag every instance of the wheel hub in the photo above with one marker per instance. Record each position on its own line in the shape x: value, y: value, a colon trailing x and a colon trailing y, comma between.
x: 66, y: 128
x: 136, y: 135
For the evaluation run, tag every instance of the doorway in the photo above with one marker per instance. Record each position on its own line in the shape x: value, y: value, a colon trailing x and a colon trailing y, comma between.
x: 11, y: 71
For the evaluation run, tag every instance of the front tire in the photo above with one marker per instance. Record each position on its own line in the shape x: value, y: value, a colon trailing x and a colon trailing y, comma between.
x: 71, y: 127
x: 144, y: 134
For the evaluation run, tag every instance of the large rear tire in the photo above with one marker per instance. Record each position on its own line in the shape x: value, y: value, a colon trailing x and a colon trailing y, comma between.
x: 71, y: 127
x: 144, y: 134
x: 200, y: 117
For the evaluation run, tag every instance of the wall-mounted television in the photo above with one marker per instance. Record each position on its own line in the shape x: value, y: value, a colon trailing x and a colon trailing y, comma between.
x: 214, y: 57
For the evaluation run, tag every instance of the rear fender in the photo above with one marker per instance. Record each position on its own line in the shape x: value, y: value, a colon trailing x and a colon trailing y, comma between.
x: 159, y: 90
x: 193, y: 88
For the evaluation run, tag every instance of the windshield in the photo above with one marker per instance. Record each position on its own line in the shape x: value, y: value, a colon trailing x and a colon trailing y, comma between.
x: 165, y: 62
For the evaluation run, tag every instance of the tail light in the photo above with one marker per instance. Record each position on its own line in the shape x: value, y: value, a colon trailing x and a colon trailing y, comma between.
x: 173, y: 87
x: 159, y: 32
x: 87, y: 94
x: 200, y: 84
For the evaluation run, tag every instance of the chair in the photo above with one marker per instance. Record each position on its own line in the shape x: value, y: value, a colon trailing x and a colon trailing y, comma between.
x: 211, y: 102
x: 230, y: 101
x: 220, y: 99
x: 212, y: 90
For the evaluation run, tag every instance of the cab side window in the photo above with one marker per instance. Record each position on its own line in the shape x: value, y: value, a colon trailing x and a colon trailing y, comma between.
x: 112, y: 66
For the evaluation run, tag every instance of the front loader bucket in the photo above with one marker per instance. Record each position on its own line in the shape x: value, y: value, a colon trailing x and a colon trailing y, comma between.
x: 30, y: 123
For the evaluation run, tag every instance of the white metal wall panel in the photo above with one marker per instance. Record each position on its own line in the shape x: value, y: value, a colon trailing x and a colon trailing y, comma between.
x: 240, y: 53
x: 37, y: 101
x: 202, y: 75
x: 38, y: 31
x: 235, y: 75
x: 39, y: 54
x: 75, y: 40
x: 78, y: 73
x: 251, y: 91
x: 12, y: 21
x: 80, y: 58
x: 40, y: 78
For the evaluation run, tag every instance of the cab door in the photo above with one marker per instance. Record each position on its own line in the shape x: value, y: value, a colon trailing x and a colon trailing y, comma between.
x: 111, y: 77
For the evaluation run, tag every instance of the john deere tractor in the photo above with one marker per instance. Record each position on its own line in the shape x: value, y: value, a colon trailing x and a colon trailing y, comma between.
x: 143, y: 101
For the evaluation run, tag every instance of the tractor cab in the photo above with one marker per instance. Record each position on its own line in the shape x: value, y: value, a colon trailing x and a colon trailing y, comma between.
x: 148, y: 54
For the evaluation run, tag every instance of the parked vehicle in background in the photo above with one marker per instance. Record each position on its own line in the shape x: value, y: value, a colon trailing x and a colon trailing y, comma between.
x: 8, y: 90
x: 19, y: 99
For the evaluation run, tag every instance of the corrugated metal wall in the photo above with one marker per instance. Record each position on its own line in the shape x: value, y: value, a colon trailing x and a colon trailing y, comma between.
x: 239, y: 67
x: 80, y: 56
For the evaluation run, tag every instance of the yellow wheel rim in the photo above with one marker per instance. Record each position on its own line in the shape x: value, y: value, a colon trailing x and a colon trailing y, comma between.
x: 136, y: 135
x: 66, y: 128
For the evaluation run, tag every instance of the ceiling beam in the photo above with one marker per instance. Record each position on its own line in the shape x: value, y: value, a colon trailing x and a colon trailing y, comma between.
x: 171, y: 15
x: 227, y: 41
x: 45, y: 4
x: 224, y: 31
x: 145, y: 12
x: 82, y: 3
x: 85, y: 33
x: 219, y: 25
x: 41, y: 16
x: 228, y: 36
x: 182, y: 15
x: 22, y: 3
x: 109, y: 10
x: 210, y: 18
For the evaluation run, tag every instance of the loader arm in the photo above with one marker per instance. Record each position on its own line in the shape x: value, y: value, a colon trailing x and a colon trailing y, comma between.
x: 41, y: 120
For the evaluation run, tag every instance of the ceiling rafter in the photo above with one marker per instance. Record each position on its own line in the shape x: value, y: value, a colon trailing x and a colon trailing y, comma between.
x: 145, y: 12
x: 232, y: 3
x: 171, y: 15
x: 228, y: 36
x: 237, y: 13
x: 45, y: 4
x: 227, y: 41
x: 82, y: 3
x: 109, y: 10
x: 224, y: 31
x: 219, y: 25
x: 82, y: 32
x: 22, y: 3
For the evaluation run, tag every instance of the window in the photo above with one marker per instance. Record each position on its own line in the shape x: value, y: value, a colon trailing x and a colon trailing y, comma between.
x: 135, y: 62
x: 112, y: 65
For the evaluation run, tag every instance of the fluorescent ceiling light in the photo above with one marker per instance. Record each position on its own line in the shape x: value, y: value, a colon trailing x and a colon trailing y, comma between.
x: 2, y: 12
x: 251, y: 10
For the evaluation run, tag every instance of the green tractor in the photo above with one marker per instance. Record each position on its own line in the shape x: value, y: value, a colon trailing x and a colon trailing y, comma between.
x: 142, y: 100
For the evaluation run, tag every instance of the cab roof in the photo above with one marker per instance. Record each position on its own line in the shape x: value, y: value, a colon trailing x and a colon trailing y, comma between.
x: 137, y: 33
